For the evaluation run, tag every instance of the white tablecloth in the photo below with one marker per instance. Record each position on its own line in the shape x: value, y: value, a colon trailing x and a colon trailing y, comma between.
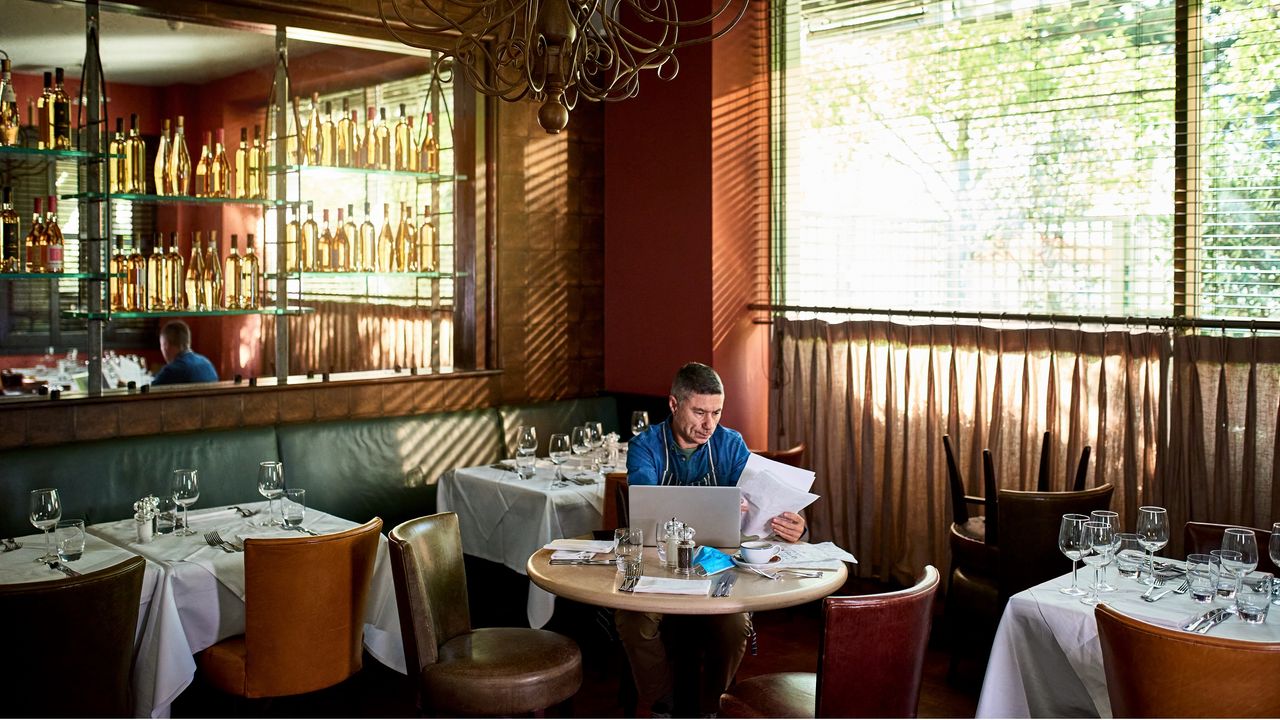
x: 1047, y: 661
x: 200, y: 600
x: 505, y: 518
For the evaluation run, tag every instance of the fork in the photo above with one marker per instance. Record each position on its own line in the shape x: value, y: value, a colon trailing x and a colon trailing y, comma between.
x: 217, y: 535
x: 244, y: 512
x: 212, y: 540
x: 629, y: 584
x: 1186, y: 585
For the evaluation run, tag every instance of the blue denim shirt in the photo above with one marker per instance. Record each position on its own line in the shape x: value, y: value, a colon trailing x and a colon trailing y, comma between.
x: 653, y: 458
x: 188, y: 367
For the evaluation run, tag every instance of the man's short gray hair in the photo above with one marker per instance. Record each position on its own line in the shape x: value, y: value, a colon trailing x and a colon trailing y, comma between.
x: 177, y: 333
x: 696, y: 379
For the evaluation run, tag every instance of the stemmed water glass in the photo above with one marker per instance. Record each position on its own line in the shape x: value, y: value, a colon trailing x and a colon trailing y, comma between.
x: 558, y: 449
x: 1071, y: 542
x: 46, y: 511
x: 271, y: 486
x: 639, y: 422
x: 1097, y: 548
x: 1274, y: 550
x: 1153, y: 534
x: 1241, y: 540
x: 595, y: 440
x: 526, y: 450
x: 578, y: 439
x: 1113, y: 519
x: 186, y: 490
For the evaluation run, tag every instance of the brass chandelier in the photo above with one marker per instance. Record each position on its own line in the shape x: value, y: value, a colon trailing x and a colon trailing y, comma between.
x: 557, y: 51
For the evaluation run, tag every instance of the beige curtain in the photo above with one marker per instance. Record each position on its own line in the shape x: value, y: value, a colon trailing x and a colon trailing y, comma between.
x: 349, y: 337
x: 872, y: 399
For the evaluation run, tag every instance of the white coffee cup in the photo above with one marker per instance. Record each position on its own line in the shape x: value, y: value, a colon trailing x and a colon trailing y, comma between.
x: 758, y: 552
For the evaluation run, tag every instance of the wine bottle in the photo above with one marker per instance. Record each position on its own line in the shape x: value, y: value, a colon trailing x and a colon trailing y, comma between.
x: 119, y: 276
x: 293, y: 143
x: 250, y: 277
x: 213, y: 273
x: 404, y: 145
x: 411, y: 152
x: 10, y: 122
x: 137, y: 279
x: 178, y: 175
x: 340, y: 247
x: 117, y: 164
x: 324, y: 245
x: 243, y: 174
x: 136, y: 152
x: 156, y: 287
x: 367, y: 245
x: 175, y: 276
x: 352, y: 233
x: 430, y: 160
x: 345, y: 138
x: 382, y: 137
x: 44, y: 111
x: 292, y: 238
x: 220, y: 168
x: 257, y: 183
x: 428, y: 259
x: 195, y: 287
x: 53, y: 233
x: 369, y: 146
x: 203, y: 180
x: 310, y: 236
x: 10, y: 234
x: 312, y: 137
x: 231, y: 276
x: 161, y: 172
x: 327, y: 152
x: 407, y: 242
x: 386, y: 241
x: 34, y: 261
x: 61, y: 113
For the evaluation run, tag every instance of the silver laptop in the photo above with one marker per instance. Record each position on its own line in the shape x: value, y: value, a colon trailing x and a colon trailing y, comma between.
x: 713, y: 512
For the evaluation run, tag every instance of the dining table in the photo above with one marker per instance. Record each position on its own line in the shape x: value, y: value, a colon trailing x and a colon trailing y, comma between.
x: 1046, y: 659
x: 197, y: 598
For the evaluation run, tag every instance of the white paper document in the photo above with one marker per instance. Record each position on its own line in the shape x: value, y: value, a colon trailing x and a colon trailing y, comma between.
x: 770, y: 489
x: 594, y: 546
x: 794, y: 554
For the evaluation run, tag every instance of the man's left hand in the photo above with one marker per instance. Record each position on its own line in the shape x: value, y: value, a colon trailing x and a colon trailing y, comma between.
x: 788, y: 527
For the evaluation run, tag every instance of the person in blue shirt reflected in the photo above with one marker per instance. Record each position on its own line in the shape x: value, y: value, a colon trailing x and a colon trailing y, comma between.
x: 184, y: 365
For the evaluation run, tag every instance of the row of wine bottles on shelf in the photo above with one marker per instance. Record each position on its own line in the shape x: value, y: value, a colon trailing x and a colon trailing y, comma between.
x: 213, y: 174
x: 41, y: 250
x: 49, y: 114
x: 378, y: 145
x: 161, y: 280
x: 404, y: 246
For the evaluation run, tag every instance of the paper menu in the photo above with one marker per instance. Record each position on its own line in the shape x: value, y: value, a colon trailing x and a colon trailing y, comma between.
x: 771, y: 488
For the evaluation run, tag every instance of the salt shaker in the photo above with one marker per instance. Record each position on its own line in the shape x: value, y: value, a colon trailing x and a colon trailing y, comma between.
x: 684, y: 551
x: 672, y: 541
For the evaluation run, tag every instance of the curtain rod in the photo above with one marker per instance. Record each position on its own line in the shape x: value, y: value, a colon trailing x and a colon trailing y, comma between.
x: 1163, y: 322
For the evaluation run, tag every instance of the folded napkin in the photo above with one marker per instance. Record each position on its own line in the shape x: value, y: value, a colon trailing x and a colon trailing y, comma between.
x: 672, y: 586
x: 594, y: 546
x: 572, y: 555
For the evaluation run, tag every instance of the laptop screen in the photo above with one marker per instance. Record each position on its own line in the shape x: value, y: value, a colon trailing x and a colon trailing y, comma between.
x: 714, y: 512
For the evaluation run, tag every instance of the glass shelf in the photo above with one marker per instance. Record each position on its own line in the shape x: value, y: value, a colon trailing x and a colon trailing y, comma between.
x: 53, y: 276
x: 131, y: 314
x: 329, y: 169
x: 354, y: 274
x: 54, y: 154
x: 170, y: 199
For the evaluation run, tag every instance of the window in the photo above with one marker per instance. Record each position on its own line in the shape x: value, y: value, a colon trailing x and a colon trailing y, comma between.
x: 1029, y: 156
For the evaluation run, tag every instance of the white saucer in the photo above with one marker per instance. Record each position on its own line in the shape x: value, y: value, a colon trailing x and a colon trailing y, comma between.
x: 737, y: 560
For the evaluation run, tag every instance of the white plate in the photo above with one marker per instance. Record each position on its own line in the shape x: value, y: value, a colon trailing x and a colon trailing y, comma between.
x: 737, y: 560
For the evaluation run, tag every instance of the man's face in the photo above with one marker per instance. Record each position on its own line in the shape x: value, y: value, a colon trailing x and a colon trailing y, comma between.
x: 695, y: 418
x: 167, y: 350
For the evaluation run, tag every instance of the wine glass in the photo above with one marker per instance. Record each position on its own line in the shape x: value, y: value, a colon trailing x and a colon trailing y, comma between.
x: 1153, y: 534
x: 1274, y: 551
x: 558, y: 449
x: 526, y: 450
x: 1240, y: 540
x: 595, y: 440
x: 270, y: 486
x: 1113, y: 519
x: 186, y: 490
x: 578, y: 439
x: 46, y: 511
x: 1071, y: 542
x: 1096, y: 552
x: 639, y: 422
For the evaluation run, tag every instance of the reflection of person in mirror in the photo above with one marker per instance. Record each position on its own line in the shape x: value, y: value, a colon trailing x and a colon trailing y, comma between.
x: 690, y: 448
x: 184, y: 365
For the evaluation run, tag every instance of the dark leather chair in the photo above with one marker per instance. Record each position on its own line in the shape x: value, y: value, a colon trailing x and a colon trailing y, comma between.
x: 460, y: 670
x: 1160, y: 672
x: 870, y: 661
x: 791, y: 456
x: 970, y: 546
x: 1029, y: 523
x: 615, y: 514
x: 1201, y: 537
x: 971, y: 582
x: 303, y: 615
x: 70, y: 643
x: 1044, y: 478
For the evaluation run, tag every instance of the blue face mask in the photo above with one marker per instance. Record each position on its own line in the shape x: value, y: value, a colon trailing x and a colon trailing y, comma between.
x: 710, y: 561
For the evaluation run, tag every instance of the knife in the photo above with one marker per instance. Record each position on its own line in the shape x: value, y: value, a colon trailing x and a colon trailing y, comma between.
x: 1215, y: 621
x: 726, y: 586
x: 55, y: 565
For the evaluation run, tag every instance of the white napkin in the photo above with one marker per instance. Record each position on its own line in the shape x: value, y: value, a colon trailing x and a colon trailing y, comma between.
x: 594, y: 546
x: 672, y: 586
x: 572, y: 555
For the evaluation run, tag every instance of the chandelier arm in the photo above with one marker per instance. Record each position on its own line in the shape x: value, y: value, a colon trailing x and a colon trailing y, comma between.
x: 651, y: 16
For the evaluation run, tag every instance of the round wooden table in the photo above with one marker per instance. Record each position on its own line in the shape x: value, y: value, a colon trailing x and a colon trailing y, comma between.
x: 598, y: 585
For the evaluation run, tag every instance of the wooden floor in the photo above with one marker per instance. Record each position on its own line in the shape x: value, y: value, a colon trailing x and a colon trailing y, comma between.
x: 788, y: 641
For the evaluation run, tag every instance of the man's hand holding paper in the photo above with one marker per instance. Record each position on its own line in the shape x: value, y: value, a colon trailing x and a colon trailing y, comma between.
x: 773, y: 492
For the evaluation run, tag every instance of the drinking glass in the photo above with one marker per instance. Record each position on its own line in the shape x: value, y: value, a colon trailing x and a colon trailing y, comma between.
x: 186, y: 490
x: 1096, y: 552
x: 1202, y: 574
x: 578, y: 438
x: 1112, y: 519
x: 639, y: 422
x: 293, y: 507
x: 595, y: 440
x: 1129, y: 555
x: 1254, y: 597
x: 1153, y: 534
x: 559, y: 450
x: 1242, y: 541
x: 270, y: 486
x: 1228, y: 562
x: 69, y: 539
x: 166, y: 514
x: 1071, y: 542
x: 527, y: 441
x: 660, y: 537
x: 1274, y: 551
x: 46, y: 511
x: 630, y: 545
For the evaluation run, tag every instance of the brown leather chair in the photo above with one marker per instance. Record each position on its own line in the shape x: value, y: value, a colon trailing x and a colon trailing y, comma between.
x: 1044, y: 478
x: 304, y: 608
x: 1202, y: 537
x: 971, y: 548
x: 70, y: 643
x: 1029, y: 523
x: 615, y: 513
x: 870, y: 661
x: 460, y: 670
x: 1160, y: 672
x: 791, y: 456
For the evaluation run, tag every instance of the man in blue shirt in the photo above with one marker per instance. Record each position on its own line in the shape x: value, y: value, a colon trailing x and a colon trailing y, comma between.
x: 690, y: 448
x: 184, y: 364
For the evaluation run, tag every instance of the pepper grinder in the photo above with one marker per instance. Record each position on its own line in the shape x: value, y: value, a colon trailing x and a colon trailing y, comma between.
x: 684, y: 551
